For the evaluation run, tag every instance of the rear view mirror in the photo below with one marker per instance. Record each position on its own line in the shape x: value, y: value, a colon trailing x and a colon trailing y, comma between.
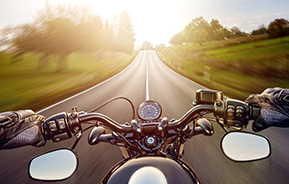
x: 244, y: 146
x: 53, y: 166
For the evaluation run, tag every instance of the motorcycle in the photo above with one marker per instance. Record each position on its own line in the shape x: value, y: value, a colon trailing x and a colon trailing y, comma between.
x: 152, y: 146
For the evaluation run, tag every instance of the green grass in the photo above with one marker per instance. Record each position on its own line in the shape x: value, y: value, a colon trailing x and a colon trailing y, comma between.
x: 238, y: 67
x: 23, y: 85
x: 258, y: 49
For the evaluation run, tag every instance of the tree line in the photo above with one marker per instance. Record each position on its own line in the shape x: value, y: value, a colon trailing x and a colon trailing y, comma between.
x: 149, y: 46
x: 200, y: 31
x: 277, y: 28
x: 63, y: 29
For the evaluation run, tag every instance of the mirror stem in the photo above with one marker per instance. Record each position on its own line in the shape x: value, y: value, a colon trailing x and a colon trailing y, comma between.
x: 222, y: 125
x: 75, y: 143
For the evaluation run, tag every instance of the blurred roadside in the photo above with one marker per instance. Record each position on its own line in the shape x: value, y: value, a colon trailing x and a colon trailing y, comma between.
x: 65, y: 50
x: 23, y: 85
x: 238, y: 66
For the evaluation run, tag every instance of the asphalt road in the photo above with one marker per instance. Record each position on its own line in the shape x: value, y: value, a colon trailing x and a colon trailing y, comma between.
x: 148, y: 78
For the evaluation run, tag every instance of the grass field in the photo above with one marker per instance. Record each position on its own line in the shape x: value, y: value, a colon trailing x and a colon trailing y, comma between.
x: 23, y: 85
x: 264, y: 49
x: 238, y: 67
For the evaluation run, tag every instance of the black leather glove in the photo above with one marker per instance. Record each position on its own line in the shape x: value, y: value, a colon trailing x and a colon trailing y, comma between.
x: 20, y: 128
x: 275, y: 108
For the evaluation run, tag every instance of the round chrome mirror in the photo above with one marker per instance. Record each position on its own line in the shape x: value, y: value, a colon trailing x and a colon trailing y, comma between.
x: 52, y: 166
x: 244, y: 146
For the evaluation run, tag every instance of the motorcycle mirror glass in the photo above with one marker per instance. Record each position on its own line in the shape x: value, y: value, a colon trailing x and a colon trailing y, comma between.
x: 244, y: 146
x: 53, y: 166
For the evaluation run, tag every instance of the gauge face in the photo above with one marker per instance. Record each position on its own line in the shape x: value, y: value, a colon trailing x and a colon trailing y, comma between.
x: 149, y: 110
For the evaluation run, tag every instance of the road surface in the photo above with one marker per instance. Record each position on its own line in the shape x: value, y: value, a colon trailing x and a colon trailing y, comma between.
x: 148, y: 78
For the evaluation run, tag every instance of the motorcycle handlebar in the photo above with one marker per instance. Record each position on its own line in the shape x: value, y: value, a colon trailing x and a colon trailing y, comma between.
x: 60, y: 126
x: 112, y: 124
x: 190, y: 115
x: 250, y: 113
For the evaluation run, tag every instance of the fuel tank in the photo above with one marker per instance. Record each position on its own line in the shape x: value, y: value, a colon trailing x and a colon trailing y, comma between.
x: 151, y: 169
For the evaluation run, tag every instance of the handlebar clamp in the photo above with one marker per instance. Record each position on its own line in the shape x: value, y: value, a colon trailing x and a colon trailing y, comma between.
x: 74, y: 124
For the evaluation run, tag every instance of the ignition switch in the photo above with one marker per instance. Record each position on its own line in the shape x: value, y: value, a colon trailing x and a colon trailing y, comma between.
x: 150, y: 141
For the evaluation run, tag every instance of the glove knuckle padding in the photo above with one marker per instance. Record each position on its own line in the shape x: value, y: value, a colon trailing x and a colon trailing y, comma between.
x: 273, y: 117
x: 272, y: 98
x: 283, y: 101
x: 17, y: 122
x: 26, y: 137
x: 275, y: 108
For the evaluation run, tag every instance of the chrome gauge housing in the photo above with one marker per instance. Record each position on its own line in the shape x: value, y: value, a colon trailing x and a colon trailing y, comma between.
x: 149, y: 110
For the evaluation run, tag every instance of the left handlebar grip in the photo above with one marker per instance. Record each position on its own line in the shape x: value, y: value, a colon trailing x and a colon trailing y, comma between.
x: 56, y: 127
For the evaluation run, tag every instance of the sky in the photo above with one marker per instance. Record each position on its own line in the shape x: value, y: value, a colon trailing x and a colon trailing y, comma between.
x: 156, y: 21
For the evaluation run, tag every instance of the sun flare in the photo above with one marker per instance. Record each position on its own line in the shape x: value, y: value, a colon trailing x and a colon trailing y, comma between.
x: 147, y: 17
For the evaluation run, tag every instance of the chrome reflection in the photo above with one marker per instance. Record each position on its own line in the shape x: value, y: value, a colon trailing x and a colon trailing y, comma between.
x: 149, y: 175
x: 244, y: 146
x: 55, y: 165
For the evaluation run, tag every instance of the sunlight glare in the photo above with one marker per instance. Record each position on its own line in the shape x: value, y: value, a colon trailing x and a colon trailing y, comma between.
x: 146, y: 16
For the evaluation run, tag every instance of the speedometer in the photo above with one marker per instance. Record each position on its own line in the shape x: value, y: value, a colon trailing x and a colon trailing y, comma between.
x: 149, y: 110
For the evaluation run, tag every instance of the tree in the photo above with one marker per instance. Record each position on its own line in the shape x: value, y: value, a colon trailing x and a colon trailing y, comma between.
x: 160, y: 46
x: 5, y: 34
x: 197, y: 30
x: 197, y: 23
x: 58, y: 35
x: 278, y: 28
x: 125, y: 34
x: 236, y: 32
x: 261, y: 30
x: 216, y: 30
x: 147, y: 46
x: 27, y: 38
x: 108, y: 35
x: 200, y: 31
x: 200, y: 36
x: 227, y: 34
x: 58, y: 32
x: 178, y: 38
x: 88, y: 34
x: 58, y: 38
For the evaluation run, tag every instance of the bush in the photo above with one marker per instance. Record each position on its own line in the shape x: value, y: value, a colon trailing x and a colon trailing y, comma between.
x: 278, y: 28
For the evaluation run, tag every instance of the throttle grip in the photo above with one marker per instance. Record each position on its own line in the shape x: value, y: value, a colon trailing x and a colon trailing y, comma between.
x: 254, y: 112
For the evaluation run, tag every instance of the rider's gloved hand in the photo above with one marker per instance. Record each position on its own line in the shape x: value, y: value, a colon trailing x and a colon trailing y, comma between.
x: 20, y: 128
x: 274, y: 103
